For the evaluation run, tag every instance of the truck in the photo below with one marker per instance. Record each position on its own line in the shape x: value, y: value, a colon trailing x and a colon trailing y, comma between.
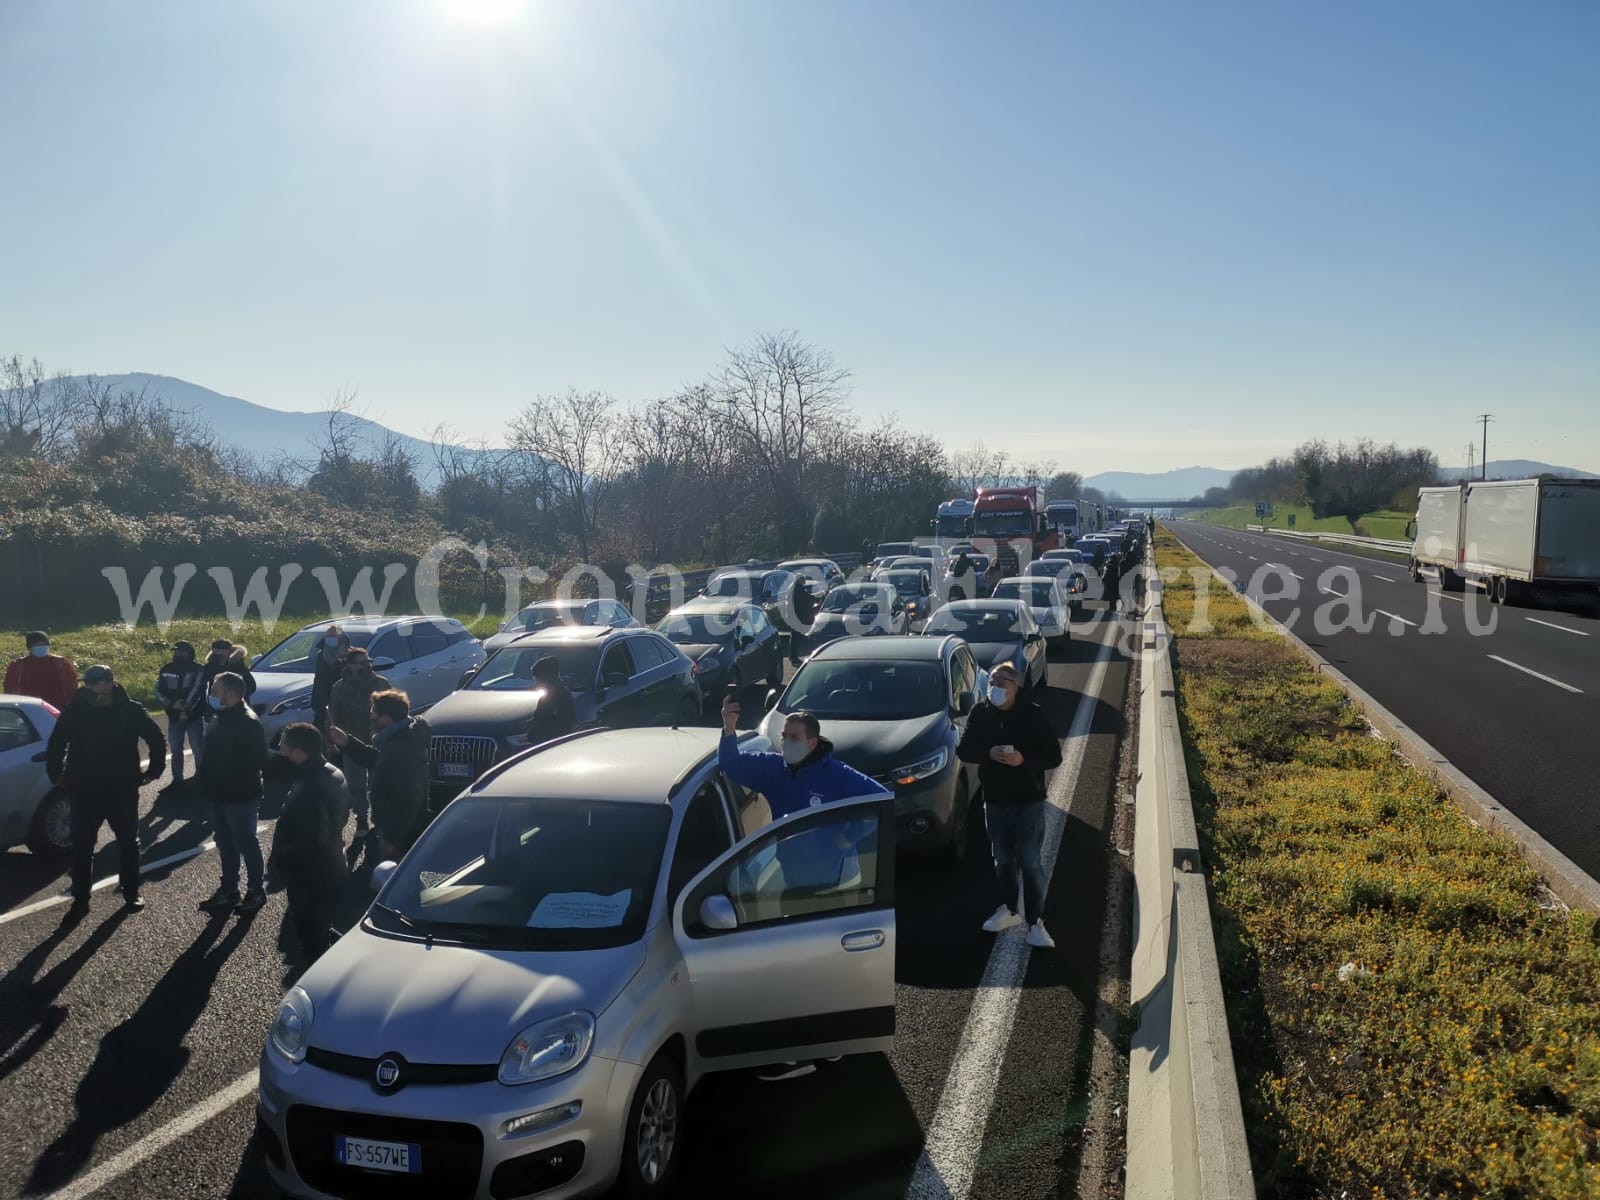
x: 953, y: 522
x: 1012, y: 517
x: 1071, y: 519
x: 1511, y: 538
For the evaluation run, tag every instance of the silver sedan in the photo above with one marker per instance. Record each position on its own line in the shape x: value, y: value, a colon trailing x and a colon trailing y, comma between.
x: 564, y: 953
x: 32, y: 811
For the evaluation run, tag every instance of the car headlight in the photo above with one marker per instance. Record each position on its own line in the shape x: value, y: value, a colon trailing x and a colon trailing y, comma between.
x: 547, y: 1049
x: 291, y: 1032
x: 923, y: 768
x: 294, y: 702
x: 709, y: 665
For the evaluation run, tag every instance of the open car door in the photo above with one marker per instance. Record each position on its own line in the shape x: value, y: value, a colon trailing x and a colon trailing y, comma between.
x: 789, y: 939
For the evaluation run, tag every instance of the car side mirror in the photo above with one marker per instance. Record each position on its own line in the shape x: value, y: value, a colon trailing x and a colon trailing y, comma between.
x: 466, y: 678
x: 255, y: 660
x: 746, y: 642
x: 381, y: 874
x: 965, y: 703
x: 772, y: 699
x: 716, y: 912
x: 383, y: 664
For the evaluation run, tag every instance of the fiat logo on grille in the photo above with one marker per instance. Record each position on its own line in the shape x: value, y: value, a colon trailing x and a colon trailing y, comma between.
x: 387, y: 1074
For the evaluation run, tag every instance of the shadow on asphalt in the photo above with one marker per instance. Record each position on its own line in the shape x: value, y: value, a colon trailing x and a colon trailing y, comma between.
x: 142, y: 1057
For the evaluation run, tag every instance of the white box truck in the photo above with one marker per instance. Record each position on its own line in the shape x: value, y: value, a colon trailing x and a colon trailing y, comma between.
x: 1511, y: 537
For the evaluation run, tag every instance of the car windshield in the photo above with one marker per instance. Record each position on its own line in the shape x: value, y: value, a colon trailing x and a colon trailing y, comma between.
x: 948, y: 526
x: 907, y: 583
x: 544, y: 616
x: 890, y: 549
x: 844, y: 598
x: 978, y: 624
x: 511, y: 669
x: 695, y: 629
x: 1035, y: 595
x: 1003, y: 524
x: 854, y: 689
x: 1050, y: 567
x: 734, y: 584
x: 295, y: 652
x: 530, y: 874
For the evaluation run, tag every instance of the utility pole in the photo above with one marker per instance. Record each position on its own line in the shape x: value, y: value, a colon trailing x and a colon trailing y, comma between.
x: 1472, y: 458
x: 1484, y: 419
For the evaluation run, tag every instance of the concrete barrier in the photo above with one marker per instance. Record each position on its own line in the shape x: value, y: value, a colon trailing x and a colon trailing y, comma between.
x: 1186, y: 1136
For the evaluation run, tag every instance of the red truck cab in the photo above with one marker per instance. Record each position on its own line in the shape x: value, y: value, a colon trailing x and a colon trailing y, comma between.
x: 1009, y: 516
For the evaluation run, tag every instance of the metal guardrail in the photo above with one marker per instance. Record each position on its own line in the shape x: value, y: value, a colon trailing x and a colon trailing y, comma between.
x: 1186, y: 1134
x: 1338, y: 539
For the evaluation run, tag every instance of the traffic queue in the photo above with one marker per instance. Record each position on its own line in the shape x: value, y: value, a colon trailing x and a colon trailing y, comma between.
x: 553, y: 839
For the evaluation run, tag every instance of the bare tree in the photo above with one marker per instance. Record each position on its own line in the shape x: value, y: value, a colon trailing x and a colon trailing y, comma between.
x: 978, y: 466
x: 36, y: 415
x: 1035, y: 474
x: 578, y: 434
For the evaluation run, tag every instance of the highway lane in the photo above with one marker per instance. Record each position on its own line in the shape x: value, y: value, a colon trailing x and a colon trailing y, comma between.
x: 120, y: 1037
x: 1510, y: 695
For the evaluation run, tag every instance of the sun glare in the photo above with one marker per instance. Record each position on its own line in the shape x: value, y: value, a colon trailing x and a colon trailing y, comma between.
x: 482, y: 12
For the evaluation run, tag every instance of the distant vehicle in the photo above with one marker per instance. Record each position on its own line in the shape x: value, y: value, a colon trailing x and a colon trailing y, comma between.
x: 859, y: 609
x: 772, y: 591
x: 1073, y: 581
x: 999, y: 631
x: 1064, y: 517
x: 1047, y: 600
x: 898, y: 562
x: 548, y: 613
x: 894, y: 709
x: 618, y: 678
x: 820, y: 575
x: 1071, y: 554
x: 1095, y: 550
x: 565, y: 953
x: 1012, y: 515
x: 730, y: 642
x: 954, y: 519
x: 33, y: 811
x: 422, y: 656
x: 1514, y: 539
x: 915, y: 587
x: 890, y: 550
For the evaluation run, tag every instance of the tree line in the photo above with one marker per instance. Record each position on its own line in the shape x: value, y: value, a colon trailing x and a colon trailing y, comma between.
x: 1344, y: 480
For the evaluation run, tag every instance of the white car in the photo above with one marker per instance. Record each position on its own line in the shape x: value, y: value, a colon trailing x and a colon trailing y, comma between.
x: 424, y: 657
x: 1046, y: 599
x: 32, y: 811
x: 549, y: 613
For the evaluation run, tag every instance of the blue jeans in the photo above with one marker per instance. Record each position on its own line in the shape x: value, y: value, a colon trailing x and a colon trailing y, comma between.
x: 179, y: 730
x: 1016, y: 839
x: 235, y: 828
x: 355, y: 777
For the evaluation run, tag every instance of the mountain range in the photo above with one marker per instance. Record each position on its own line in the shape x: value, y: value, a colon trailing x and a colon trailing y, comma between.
x: 1177, y: 484
x: 1515, y: 468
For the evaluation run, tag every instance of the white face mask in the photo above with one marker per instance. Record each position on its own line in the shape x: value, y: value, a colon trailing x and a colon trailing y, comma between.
x: 795, y: 753
x: 997, y: 695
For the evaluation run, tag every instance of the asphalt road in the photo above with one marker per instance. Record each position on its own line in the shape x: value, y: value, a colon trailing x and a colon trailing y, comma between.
x: 1510, y: 695
x: 127, y: 1041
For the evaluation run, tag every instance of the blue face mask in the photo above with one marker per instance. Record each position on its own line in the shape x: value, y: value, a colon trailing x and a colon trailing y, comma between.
x: 38, y: 651
x: 215, y: 702
x: 330, y: 641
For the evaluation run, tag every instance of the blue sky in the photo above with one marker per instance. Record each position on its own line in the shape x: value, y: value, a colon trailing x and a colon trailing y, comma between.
x: 1118, y: 236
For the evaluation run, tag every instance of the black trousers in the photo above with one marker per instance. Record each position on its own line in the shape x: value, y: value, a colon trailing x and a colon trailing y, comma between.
x: 119, y: 808
x: 310, y: 917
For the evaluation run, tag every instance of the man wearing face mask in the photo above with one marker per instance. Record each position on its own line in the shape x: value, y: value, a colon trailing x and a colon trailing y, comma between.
x: 1013, y: 745
x: 350, y: 708
x: 198, y: 706
x: 230, y: 773
x: 333, y: 654
x: 397, y: 758
x: 49, y: 677
x: 93, y: 754
x: 175, y: 683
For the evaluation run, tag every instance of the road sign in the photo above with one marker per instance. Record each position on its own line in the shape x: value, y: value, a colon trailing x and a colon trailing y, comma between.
x: 1261, y: 509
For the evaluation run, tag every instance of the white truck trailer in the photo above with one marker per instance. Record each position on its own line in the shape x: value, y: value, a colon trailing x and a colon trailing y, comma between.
x: 1511, y: 538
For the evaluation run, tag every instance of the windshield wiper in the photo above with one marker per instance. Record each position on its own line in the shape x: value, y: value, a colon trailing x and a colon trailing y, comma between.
x: 414, y: 926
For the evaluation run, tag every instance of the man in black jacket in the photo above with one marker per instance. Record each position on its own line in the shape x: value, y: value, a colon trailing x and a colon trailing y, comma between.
x: 230, y: 773
x: 1013, y: 745
x: 397, y: 786
x: 175, y: 684
x: 556, y: 715
x: 308, y: 841
x: 93, y: 754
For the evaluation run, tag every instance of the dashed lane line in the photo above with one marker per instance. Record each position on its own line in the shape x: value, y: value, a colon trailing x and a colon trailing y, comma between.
x: 158, y: 1140
x: 1537, y: 675
x: 1395, y: 617
x: 1385, y: 578
x: 955, y: 1135
x: 1553, y: 625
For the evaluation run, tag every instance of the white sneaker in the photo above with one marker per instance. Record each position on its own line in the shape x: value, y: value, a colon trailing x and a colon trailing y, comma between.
x: 1038, y: 938
x: 1003, y: 919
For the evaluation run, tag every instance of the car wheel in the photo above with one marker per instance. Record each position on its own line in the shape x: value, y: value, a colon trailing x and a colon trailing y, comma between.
x: 51, y: 830
x: 960, y: 823
x: 652, y: 1144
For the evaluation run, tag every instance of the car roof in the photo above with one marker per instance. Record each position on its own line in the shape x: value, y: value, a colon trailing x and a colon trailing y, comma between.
x: 990, y: 605
x: 1019, y: 579
x: 805, y: 562
x: 863, y: 585
x: 562, y: 635
x: 628, y: 766
x: 903, y: 572
x: 366, y: 624
x: 572, y: 602
x: 874, y: 649
x: 710, y: 604
x: 21, y: 701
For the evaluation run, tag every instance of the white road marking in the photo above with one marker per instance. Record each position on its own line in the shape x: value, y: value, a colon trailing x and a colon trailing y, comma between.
x: 1329, y: 591
x: 1285, y: 567
x: 1553, y: 625
x: 1395, y: 617
x: 112, y: 880
x: 158, y: 1140
x: 954, y: 1138
x: 1252, y: 558
x: 1313, y: 558
x: 1457, y: 599
x: 1530, y: 671
x: 1385, y: 578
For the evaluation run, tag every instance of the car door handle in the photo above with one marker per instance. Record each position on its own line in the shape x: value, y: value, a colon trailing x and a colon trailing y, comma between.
x: 867, y: 939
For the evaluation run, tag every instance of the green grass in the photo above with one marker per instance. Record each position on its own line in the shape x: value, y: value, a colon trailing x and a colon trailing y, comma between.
x: 1460, y: 1054
x: 137, y: 654
x: 1383, y: 524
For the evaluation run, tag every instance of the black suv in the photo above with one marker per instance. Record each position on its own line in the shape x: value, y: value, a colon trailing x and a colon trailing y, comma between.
x: 618, y: 677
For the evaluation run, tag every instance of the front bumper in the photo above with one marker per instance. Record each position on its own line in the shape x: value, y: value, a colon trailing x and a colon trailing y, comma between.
x: 302, y: 1109
x: 924, y: 811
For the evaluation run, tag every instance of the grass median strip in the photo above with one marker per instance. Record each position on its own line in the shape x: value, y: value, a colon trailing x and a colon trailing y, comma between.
x: 1409, y: 1015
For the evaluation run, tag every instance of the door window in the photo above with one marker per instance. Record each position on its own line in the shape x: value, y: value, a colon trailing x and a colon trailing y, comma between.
x: 392, y: 645
x: 427, y: 638
x: 618, y: 615
x: 826, y: 863
x: 617, y: 663
x: 15, y: 729
x: 649, y: 653
x: 702, y: 839
x: 963, y: 674
x: 758, y: 622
